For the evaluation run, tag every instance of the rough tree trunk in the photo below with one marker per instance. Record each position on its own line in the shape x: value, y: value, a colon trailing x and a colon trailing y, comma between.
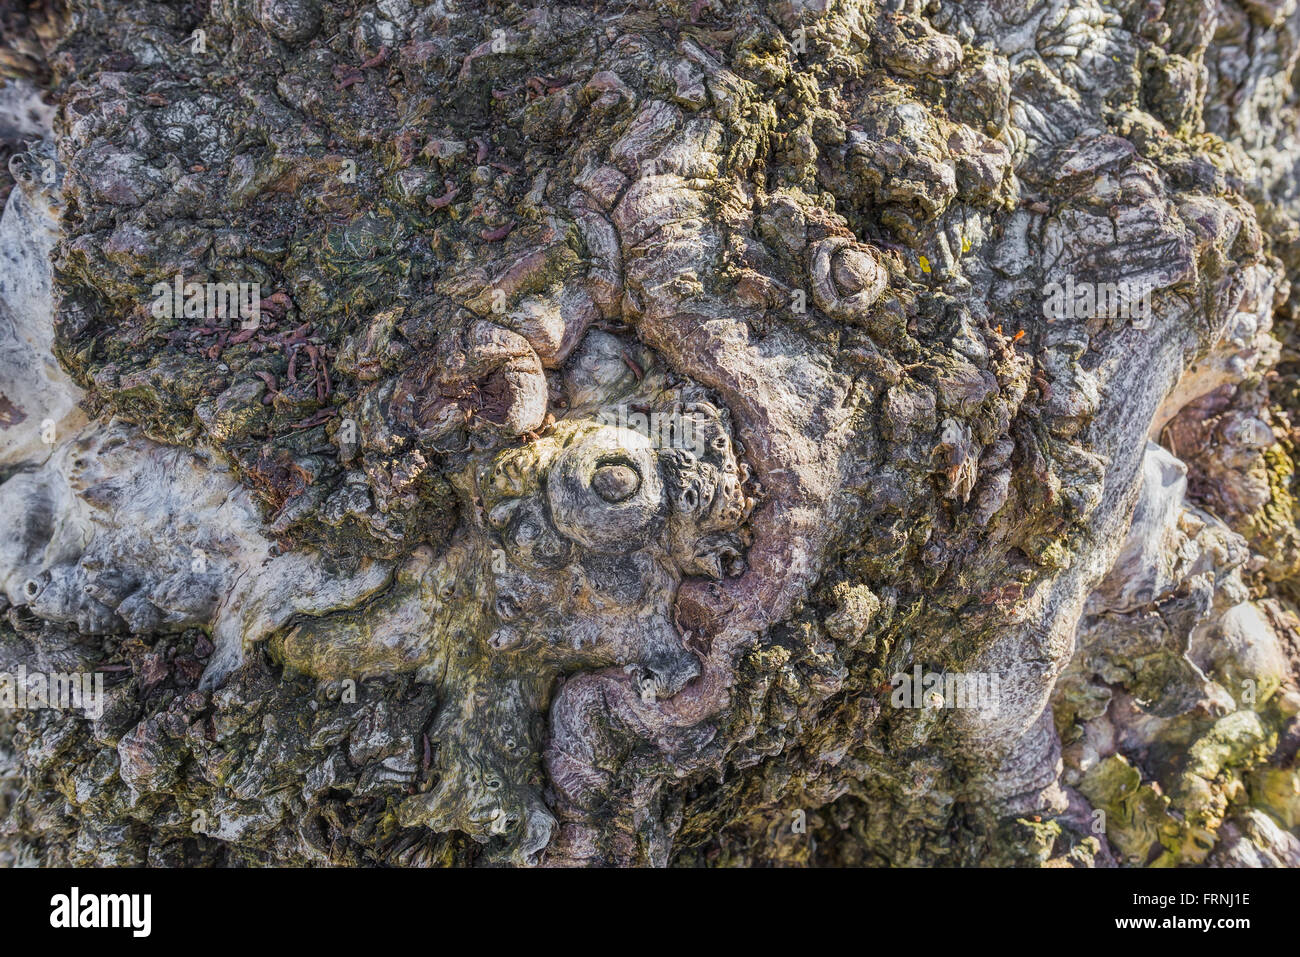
x: 641, y: 396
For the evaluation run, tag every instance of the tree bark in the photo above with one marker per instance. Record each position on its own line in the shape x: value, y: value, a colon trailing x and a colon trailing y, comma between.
x: 798, y: 432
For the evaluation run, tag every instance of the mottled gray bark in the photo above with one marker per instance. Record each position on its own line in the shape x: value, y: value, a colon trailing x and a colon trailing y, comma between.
x: 640, y: 402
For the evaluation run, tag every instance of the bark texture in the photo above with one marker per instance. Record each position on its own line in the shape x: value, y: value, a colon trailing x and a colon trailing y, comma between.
x: 638, y: 390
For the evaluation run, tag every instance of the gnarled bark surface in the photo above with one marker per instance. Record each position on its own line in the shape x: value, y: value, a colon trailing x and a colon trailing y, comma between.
x: 637, y: 390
